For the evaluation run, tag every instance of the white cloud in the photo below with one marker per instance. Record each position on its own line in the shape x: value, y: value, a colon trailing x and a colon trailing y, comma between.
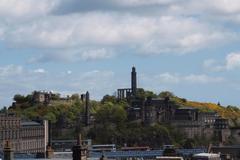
x: 11, y: 10
x: 74, y: 55
x: 225, y: 6
x: 95, y: 35
x: 97, y: 73
x: 2, y: 31
x: 70, y: 6
x: 222, y: 6
x: 213, y: 65
x: 209, y: 63
x: 134, y: 3
x: 83, y: 29
x: 213, y: 11
x: 204, y: 79
x: 182, y: 7
x: 231, y: 62
x: 10, y: 70
x: 101, y: 33
x: 199, y: 40
x: 40, y: 70
x: 168, y: 78
x: 96, y: 54
x: 69, y: 72
x: 192, y: 78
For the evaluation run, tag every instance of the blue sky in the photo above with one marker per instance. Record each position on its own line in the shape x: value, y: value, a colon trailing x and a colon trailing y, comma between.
x: 70, y: 46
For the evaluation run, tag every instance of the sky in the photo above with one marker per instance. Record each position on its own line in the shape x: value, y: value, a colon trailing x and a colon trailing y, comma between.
x: 190, y: 48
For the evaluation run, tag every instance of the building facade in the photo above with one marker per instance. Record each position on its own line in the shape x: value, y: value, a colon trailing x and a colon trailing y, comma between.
x: 34, y: 137
x: 10, y: 128
x: 45, y: 97
x: 24, y: 136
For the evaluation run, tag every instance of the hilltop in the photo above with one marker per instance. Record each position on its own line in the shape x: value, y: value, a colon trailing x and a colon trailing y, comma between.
x: 73, y: 106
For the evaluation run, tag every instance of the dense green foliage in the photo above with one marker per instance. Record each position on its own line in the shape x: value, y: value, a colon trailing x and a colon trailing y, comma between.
x: 22, y: 99
x: 111, y: 126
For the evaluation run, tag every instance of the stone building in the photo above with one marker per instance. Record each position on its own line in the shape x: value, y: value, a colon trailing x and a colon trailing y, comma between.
x: 186, y: 114
x: 45, y: 97
x: 221, y: 130
x: 135, y: 111
x: 10, y: 127
x: 235, y: 134
x: 41, y: 97
x: 187, y: 120
x: 158, y: 110
x: 196, y: 123
x: 208, y: 118
x: 34, y: 137
x: 24, y: 136
x: 189, y: 128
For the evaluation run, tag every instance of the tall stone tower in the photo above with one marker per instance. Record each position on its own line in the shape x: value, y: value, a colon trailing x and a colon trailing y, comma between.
x: 134, y: 81
x: 87, y: 109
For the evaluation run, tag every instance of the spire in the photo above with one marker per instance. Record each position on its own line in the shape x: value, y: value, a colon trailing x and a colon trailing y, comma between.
x: 133, y: 69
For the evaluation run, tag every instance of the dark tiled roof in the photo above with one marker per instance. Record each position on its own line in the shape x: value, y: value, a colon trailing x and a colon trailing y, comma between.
x: 30, y: 123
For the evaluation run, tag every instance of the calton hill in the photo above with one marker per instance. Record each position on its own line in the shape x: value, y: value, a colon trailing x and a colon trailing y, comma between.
x: 133, y: 117
x: 115, y: 120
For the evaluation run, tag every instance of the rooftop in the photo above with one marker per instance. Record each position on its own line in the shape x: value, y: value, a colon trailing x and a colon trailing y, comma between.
x: 30, y: 123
